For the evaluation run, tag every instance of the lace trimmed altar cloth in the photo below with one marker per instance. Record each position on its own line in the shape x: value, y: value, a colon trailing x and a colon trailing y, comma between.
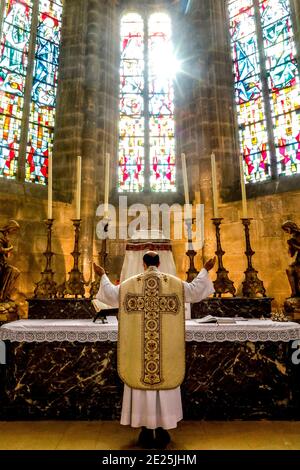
x: 87, y: 331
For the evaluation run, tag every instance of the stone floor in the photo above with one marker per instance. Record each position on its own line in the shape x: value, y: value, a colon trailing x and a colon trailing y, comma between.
x: 190, y: 435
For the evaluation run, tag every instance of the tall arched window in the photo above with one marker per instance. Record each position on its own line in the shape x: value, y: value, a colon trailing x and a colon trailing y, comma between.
x: 29, y: 51
x: 267, y: 87
x: 147, y: 127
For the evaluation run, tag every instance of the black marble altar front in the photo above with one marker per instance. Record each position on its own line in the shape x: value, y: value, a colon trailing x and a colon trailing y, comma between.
x: 229, y: 380
x: 221, y: 307
x: 233, y: 307
x: 60, y: 308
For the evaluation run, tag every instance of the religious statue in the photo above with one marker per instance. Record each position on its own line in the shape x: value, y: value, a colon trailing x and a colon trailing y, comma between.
x: 8, y: 273
x: 293, y: 272
x: 292, y: 305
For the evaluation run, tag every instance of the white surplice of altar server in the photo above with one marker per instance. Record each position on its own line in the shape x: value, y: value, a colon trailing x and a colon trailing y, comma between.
x: 155, y: 409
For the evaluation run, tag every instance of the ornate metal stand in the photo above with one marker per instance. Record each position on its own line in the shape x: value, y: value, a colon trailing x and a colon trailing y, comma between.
x: 222, y: 284
x: 46, y: 288
x: 191, y: 253
x: 103, y: 254
x: 252, y: 285
x: 75, y: 284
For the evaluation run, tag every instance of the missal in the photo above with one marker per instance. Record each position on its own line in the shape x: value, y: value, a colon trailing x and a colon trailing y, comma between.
x: 212, y: 319
x: 103, y: 310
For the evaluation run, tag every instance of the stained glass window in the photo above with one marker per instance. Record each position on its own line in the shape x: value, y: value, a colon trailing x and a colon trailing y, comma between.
x: 147, y: 125
x: 30, y: 86
x: 43, y: 93
x: 15, y: 34
x: 267, y: 87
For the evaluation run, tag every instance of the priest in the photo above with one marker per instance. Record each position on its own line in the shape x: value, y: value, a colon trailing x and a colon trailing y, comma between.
x: 151, y: 344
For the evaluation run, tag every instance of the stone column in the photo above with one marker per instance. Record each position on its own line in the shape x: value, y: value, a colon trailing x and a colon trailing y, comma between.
x: 85, y: 120
x: 94, y: 34
x: 207, y: 119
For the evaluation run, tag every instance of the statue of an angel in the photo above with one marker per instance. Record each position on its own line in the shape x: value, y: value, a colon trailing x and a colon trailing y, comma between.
x: 8, y: 273
x: 293, y: 271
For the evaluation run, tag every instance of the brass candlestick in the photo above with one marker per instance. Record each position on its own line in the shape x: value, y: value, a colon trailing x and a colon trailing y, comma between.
x: 222, y: 284
x: 75, y: 284
x: 46, y: 288
x: 252, y: 285
x: 103, y: 254
x: 191, y: 253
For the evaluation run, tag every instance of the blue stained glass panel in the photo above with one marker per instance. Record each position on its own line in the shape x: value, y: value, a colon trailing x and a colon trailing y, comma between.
x: 277, y: 32
x: 248, y: 91
x: 14, y: 43
x: 43, y: 94
x: 247, y: 67
x: 274, y: 11
x: 283, y: 83
x: 244, y: 48
x: 281, y: 54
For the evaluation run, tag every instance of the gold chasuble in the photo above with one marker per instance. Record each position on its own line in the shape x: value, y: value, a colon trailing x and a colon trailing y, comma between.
x: 151, y: 343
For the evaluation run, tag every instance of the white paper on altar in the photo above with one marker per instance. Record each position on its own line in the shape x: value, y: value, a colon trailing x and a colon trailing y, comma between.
x: 133, y: 261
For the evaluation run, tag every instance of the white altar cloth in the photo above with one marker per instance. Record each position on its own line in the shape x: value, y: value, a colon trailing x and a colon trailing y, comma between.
x: 87, y: 331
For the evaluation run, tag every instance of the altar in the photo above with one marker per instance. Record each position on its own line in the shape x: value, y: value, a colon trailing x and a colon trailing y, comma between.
x: 66, y: 369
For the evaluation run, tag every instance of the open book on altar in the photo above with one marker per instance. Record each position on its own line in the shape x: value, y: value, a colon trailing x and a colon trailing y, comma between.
x: 102, y: 310
x: 98, y: 306
x: 212, y: 319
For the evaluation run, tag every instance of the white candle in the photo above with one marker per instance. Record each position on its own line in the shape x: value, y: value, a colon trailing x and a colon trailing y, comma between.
x: 78, y: 188
x: 243, y: 186
x: 106, y: 187
x: 50, y: 187
x: 185, y: 180
x: 214, y: 185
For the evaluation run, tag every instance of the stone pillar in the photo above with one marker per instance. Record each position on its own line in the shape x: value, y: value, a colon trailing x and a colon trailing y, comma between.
x: 70, y: 99
x: 86, y: 122
x: 94, y: 38
x: 206, y: 115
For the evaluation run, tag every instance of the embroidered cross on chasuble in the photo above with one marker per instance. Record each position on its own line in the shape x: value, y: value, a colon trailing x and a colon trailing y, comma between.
x: 151, y: 343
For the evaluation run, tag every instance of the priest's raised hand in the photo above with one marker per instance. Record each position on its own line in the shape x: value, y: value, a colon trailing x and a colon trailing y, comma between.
x: 210, y: 264
x: 98, y: 269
